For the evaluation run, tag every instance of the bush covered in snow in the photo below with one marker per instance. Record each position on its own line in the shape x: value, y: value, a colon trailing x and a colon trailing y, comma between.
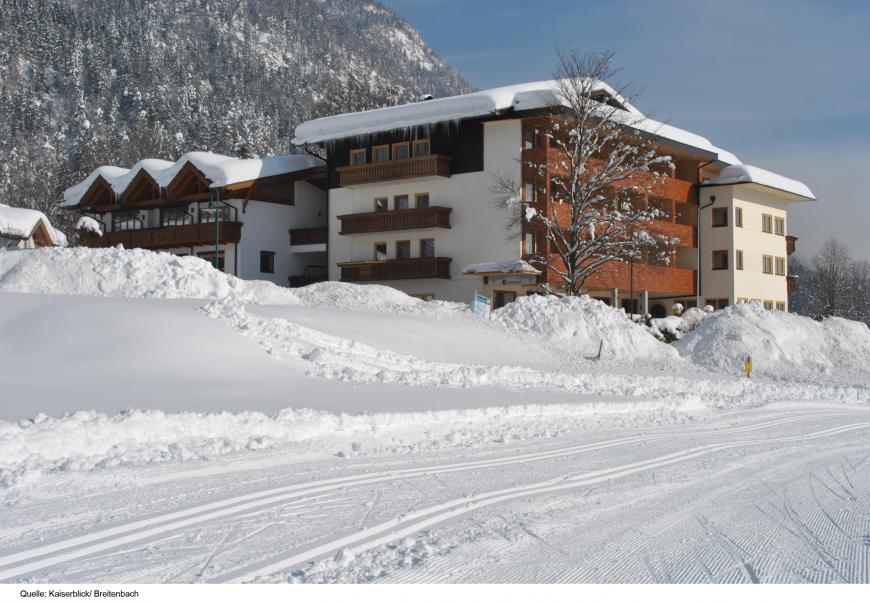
x: 671, y: 328
x: 581, y: 324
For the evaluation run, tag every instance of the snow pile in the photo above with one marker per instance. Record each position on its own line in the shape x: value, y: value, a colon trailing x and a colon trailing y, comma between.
x: 671, y: 328
x: 580, y: 324
x: 780, y: 343
x: 20, y: 222
x: 349, y: 296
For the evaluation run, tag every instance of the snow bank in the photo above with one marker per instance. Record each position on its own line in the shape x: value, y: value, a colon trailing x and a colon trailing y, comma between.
x: 580, y: 324
x: 118, y: 272
x: 780, y: 343
x: 749, y: 174
x: 671, y: 328
x: 88, y: 440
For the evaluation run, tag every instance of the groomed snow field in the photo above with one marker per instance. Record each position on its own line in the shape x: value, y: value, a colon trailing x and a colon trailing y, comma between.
x: 239, y: 431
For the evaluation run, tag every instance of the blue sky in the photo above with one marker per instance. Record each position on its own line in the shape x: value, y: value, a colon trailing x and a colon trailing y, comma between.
x: 784, y: 85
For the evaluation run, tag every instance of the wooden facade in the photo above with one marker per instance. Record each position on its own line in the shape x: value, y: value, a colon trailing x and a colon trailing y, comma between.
x: 413, y: 167
x: 397, y: 219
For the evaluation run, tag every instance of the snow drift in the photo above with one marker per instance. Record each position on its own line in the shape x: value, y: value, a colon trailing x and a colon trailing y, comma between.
x: 580, y: 325
x: 780, y: 343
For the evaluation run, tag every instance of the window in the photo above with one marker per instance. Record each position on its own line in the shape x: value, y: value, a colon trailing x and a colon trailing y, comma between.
x: 402, y: 150
x: 403, y: 249
x: 531, y: 243
x: 767, y: 264
x: 400, y: 202
x: 779, y: 226
x: 174, y: 216
x: 358, y: 157
x: 267, y: 262
x: 720, y: 260
x: 502, y: 298
x: 209, y: 256
x: 529, y: 135
x: 742, y: 300
x: 766, y: 223
x: 125, y: 220
x: 422, y: 200
x: 717, y: 303
x: 738, y: 217
x: 427, y: 248
x: 421, y: 148
x: 529, y: 192
x: 780, y: 266
x: 381, y: 153
x: 720, y: 216
x: 738, y: 259
x: 780, y: 306
x: 380, y: 251
x: 382, y: 204
x: 768, y: 305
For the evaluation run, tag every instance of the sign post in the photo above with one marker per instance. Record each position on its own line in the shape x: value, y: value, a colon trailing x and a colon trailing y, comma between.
x: 482, y: 305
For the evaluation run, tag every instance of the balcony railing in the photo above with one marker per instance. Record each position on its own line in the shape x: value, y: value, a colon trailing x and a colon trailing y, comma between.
x: 398, y: 219
x: 413, y: 167
x: 308, y: 236
x: 661, y: 280
x: 174, y: 236
x: 688, y: 235
x: 392, y: 270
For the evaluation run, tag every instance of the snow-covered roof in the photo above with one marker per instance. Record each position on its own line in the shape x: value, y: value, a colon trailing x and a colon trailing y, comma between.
x: 220, y: 170
x: 73, y: 195
x: 20, y: 222
x: 749, y: 174
x: 519, y: 97
x: 513, y: 266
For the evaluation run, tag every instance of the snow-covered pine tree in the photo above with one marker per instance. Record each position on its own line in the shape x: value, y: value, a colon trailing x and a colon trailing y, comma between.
x: 598, y: 216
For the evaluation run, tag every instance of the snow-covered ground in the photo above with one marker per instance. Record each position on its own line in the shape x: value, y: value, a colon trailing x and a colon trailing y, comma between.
x: 162, y: 421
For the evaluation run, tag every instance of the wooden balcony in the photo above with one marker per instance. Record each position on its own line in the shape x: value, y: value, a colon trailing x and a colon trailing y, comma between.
x: 168, y: 237
x: 304, y: 280
x: 308, y: 236
x: 399, y: 219
x: 393, y: 270
x: 658, y: 280
x: 688, y: 235
x: 791, y: 282
x: 790, y: 244
x: 414, y: 167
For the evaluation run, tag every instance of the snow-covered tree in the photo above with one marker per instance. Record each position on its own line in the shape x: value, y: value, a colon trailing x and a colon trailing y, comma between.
x: 597, y: 182
x: 832, y: 284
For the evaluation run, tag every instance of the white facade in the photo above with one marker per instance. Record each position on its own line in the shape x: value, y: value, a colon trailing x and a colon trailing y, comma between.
x: 745, y: 241
x: 478, y: 229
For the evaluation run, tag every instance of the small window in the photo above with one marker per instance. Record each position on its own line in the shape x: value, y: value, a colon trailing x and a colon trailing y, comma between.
x: 768, y: 305
x: 718, y: 303
x: 381, y: 154
x: 427, y: 248
x: 766, y: 223
x: 529, y: 135
x: 738, y: 217
x: 780, y: 266
x: 382, y: 204
x: 267, y: 262
x: 780, y: 306
x: 421, y: 148
x: 720, y: 260
x: 529, y: 192
x: 779, y: 226
x: 403, y: 249
x: 380, y: 251
x: 531, y: 243
x: 422, y: 200
x: 738, y: 259
x: 767, y: 264
x: 720, y: 216
x: 400, y: 202
x: 402, y: 150
x: 742, y: 300
x: 358, y: 157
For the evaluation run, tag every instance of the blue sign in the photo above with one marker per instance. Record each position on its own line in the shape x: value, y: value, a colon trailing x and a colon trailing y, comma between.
x: 481, y: 305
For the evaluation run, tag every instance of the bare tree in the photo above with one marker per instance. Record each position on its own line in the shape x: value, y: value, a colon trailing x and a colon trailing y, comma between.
x: 598, y: 216
x: 833, y: 284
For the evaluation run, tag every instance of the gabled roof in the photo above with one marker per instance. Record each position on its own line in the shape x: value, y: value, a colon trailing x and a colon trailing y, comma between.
x: 108, y: 173
x: 519, y: 97
x: 22, y: 223
x: 749, y: 174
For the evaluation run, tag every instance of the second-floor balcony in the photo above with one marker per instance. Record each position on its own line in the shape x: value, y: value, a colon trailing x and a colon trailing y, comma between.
x: 413, y: 167
x: 391, y: 270
x: 306, y: 240
x: 397, y: 219
x: 168, y: 237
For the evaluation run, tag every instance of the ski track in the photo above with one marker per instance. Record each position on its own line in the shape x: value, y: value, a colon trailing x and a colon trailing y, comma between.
x: 108, y: 541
